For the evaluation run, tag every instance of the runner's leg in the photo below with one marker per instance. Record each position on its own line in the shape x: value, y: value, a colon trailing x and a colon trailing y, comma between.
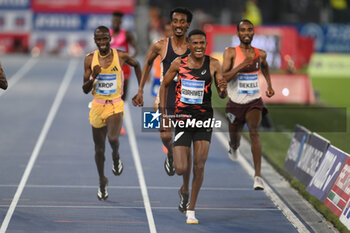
x: 200, y: 155
x: 253, y: 119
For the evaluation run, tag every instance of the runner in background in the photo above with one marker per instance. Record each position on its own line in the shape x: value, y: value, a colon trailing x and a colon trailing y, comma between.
x: 3, y: 81
x: 121, y: 39
x: 241, y: 66
x: 166, y: 32
x: 169, y: 49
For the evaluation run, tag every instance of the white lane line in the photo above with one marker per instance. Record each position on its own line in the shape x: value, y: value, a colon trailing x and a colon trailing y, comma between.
x: 57, y: 102
x: 20, y: 73
x: 137, y: 161
x: 140, y: 207
x: 124, y: 187
x: 269, y: 192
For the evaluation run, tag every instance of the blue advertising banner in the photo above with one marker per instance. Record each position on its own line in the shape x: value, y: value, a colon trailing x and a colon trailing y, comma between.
x: 334, y: 38
x: 309, y: 161
x: 76, y: 22
x: 14, y: 4
x: 300, y: 137
x: 327, y: 173
x: 15, y: 21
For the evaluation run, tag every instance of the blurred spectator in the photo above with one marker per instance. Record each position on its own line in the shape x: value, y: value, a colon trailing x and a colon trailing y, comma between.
x: 252, y: 12
x: 340, y: 11
x: 155, y: 24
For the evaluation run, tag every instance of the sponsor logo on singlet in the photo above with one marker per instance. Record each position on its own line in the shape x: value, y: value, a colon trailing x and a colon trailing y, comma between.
x: 192, y: 91
x: 106, y: 84
x: 248, y: 84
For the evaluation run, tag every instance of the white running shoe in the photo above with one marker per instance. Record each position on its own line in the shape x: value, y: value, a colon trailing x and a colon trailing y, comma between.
x: 102, y: 193
x: 191, y: 218
x: 258, y: 183
x: 233, y: 154
x: 117, y: 167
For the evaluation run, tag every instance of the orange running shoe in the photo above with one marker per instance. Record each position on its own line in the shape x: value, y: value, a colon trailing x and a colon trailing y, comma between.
x: 122, y: 131
x: 165, y: 150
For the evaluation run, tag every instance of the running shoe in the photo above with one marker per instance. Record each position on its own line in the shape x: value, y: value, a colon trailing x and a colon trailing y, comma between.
x: 191, y: 217
x: 122, y: 131
x: 117, y: 168
x: 233, y: 154
x: 165, y: 150
x: 169, y: 166
x: 102, y: 193
x: 184, y: 204
x: 258, y: 183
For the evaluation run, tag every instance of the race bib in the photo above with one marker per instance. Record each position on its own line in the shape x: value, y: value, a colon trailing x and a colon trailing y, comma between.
x: 192, y: 91
x: 248, y: 84
x: 106, y: 84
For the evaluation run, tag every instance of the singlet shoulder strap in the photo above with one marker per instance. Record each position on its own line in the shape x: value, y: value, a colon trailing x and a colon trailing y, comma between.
x: 168, y: 42
x: 257, y: 52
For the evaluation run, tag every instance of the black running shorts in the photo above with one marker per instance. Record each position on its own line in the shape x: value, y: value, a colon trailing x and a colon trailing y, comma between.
x: 185, y: 136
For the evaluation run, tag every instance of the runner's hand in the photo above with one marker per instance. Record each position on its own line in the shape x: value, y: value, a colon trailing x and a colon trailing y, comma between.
x: 247, y: 61
x: 270, y: 92
x: 137, y: 100
x: 164, y: 119
x: 96, y: 70
x: 222, y: 84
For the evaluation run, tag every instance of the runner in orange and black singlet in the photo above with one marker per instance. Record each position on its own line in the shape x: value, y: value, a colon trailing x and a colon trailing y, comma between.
x: 193, y: 100
x: 193, y: 92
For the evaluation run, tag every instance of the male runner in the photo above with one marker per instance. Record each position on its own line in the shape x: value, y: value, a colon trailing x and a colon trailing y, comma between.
x: 121, y: 39
x: 3, y: 81
x: 169, y: 49
x: 103, y: 75
x: 196, y: 73
x: 241, y: 66
x: 157, y: 72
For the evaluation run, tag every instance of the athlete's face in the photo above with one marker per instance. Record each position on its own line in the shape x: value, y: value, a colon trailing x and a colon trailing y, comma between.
x: 102, y: 40
x: 116, y: 22
x: 245, y: 33
x: 179, y: 24
x: 197, y: 45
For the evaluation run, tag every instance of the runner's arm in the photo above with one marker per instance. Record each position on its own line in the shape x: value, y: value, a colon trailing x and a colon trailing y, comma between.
x: 168, y: 78
x: 89, y: 75
x: 3, y: 81
x: 132, y: 62
x: 266, y: 72
x: 220, y: 82
x: 151, y: 55
x: 228, y: 69
x: 131, y: 40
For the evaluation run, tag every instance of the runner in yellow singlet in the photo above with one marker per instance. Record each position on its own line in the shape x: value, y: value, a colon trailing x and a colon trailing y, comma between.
x: 104, y: 77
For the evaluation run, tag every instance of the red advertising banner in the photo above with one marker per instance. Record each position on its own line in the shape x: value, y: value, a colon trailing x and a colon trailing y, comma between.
x: 289, y: 89
x: 14, y: 42
x: 83, y: 6
x: 339, y: 194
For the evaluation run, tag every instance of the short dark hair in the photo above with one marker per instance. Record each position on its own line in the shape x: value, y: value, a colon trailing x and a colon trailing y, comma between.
x: 196, y: 32
x: 182, y: 10
x: 101, y: 28
x: 244, y: 21
x: 118, y: 14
